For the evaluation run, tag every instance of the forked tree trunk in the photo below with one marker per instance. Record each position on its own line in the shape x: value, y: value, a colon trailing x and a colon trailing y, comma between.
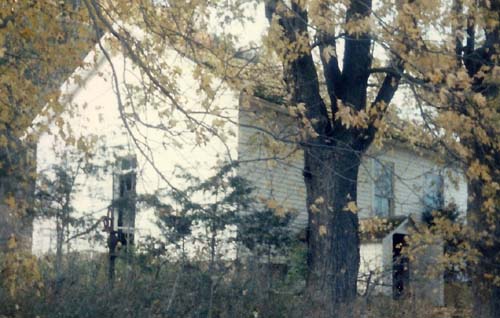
x: 333, y: 240
x: 332, y: 155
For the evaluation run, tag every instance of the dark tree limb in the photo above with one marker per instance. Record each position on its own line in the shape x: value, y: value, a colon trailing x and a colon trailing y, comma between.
x: 300, y: 74
x: 327, y: 45
x: 384, y: 96
x: 357, y: 59
x: 331, y: 70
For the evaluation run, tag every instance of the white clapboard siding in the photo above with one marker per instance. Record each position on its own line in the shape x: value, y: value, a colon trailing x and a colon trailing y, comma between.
x: 282, y: 180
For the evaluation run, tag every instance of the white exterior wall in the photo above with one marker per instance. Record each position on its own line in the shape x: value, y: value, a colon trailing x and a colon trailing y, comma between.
x: 410, y: 168
x: 372, y: 274
x: 95, y: 111
x: 278, y: 180
x: 282, y: 180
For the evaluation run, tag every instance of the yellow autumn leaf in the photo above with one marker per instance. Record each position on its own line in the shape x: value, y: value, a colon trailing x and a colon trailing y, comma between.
x: 280, y: 211
x: 26, y: 33
x: 3, y: 141
x: 272, y: 204
x: 314, y: 208
x: 479, y: 99
x: 352, y: 207
x: 322, y: 230
x: 10, y: 201
x: 11, y: 243
x: 319, y: 200
x: 329, y: 52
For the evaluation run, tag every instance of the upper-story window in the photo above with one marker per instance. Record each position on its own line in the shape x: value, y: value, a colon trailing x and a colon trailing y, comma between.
x: 128, y: 163
x: 433, y: 198
x: 383, y: 202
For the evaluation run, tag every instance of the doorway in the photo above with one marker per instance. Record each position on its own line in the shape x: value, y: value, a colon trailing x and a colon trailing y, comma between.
x: 400, y: 267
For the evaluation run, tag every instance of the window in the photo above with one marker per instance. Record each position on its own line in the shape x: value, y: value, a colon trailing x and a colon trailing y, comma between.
x: 400, y: 267
x: 124, y: 196
x: 384, y: 188
x: 433, y: 191
x: 126, y: 183
x: 126, y: 208
x: 128, y: 163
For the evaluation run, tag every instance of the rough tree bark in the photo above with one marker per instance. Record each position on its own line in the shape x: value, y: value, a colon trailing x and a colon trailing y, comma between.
x: 333, y: 241
x: 486, y: 293
x: 485, y: 274
x: 332, y: 157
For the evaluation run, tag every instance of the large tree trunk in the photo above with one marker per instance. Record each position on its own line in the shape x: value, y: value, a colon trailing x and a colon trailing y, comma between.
x: 333, y: 240
x: 333, y: 152
x: 483, y: 211
x: 486, y: 272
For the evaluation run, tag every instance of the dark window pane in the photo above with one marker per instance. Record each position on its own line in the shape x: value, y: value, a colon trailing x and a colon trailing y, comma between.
x: 433, y: 191
x: 384, y: 188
